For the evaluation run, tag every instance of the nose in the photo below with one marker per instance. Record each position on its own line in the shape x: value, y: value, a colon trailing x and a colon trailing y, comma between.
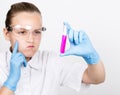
x: 30, y: 37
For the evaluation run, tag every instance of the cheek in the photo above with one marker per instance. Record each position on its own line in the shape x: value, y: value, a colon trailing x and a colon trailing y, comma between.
x: 22, y: 44
x: 13, y: 40
x: 37, y: 44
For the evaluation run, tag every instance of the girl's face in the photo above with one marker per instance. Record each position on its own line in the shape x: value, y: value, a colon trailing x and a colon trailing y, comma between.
x: 27, y: 31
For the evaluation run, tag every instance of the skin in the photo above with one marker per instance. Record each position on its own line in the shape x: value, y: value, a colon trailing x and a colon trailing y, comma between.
x: 94, y: 74
x: 28, y: 46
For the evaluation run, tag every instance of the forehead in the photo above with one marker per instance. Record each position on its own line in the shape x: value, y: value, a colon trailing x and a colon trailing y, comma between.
x: 27, y: 18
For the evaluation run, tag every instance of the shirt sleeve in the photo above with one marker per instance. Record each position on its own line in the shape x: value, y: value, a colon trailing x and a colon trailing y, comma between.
x: 72, y: 74
x: 3, y: 69
x: 2, y: 77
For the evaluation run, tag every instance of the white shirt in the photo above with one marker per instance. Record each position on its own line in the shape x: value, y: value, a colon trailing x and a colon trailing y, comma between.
x: 45, y: 72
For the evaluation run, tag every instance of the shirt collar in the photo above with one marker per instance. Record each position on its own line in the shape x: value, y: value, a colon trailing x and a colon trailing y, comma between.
x: 36, y: 62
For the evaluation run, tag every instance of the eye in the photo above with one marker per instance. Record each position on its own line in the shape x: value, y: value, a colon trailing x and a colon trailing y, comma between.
x: 37, y: 32
x: 22, y: 32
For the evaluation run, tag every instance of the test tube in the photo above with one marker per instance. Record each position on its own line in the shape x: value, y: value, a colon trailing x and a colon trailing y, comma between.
x: 63, y: 41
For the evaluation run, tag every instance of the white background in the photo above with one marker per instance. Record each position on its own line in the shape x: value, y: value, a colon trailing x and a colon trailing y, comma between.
x: 100, y: 19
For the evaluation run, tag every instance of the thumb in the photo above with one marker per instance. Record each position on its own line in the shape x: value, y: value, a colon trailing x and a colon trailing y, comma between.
x: 67, y: 53
x: 24, y: 62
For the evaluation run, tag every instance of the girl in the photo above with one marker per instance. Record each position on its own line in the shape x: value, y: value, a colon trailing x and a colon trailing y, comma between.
x: 26, y: 71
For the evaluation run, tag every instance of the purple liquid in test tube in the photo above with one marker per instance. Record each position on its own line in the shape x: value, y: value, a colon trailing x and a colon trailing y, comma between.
x: 63, y: 41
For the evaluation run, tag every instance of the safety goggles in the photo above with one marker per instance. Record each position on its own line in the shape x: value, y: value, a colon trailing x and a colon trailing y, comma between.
x: 24, y: 31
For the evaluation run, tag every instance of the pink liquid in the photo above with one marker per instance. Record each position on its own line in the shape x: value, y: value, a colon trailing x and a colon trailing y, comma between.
x: 63, y: 44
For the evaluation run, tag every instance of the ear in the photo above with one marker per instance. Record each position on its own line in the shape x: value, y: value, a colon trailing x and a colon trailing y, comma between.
x: 6, y: 34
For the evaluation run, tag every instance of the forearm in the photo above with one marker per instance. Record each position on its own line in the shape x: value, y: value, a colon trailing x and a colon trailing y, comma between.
x: 5, y: 91
x: 95, y: 73
x: 80, y: 45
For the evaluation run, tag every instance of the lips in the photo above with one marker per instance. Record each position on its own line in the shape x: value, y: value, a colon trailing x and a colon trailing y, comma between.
x: 30, y: 46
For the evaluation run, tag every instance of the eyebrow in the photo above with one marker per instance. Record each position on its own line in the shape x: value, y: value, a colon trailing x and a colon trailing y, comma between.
x: 31, y: 29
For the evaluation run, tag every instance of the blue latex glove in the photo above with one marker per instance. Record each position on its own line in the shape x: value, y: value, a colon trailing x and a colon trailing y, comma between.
x: 17, y: 60
x: 80, y: 45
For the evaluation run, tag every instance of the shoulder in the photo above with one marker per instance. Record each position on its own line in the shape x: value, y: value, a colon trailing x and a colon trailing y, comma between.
x: 5, y: 53
x: 49, y: 56
x: 4, y: 58
x: 3, y: 66
x: 46, y: 54
x: 45, y: 57
x: 2, y: 54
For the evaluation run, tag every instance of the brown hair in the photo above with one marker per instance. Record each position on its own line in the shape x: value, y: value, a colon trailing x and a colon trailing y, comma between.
x: 19, y: 7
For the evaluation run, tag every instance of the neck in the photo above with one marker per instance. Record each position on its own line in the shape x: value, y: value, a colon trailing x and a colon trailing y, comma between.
x: 27, y: 58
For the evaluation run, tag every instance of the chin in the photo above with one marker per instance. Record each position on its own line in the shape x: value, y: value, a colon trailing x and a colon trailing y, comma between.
x: 29, y: 54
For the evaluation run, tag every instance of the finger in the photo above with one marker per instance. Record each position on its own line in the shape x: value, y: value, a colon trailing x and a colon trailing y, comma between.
x: 15, y: 50
x: 68, y: 27
x: 22, y: 59
x: 24, y: 62
x: 70, y: 32
x: 67, y: 52
x: 81, y: 36
x: 71, y: 36
x: 76, y: 40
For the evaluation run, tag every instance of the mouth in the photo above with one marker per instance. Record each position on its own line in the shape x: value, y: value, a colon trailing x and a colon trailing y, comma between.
x: 30, y: 46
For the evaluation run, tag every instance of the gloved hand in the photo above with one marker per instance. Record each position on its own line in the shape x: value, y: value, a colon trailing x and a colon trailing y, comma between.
x: 80, y: 45
x: 17, y: 60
